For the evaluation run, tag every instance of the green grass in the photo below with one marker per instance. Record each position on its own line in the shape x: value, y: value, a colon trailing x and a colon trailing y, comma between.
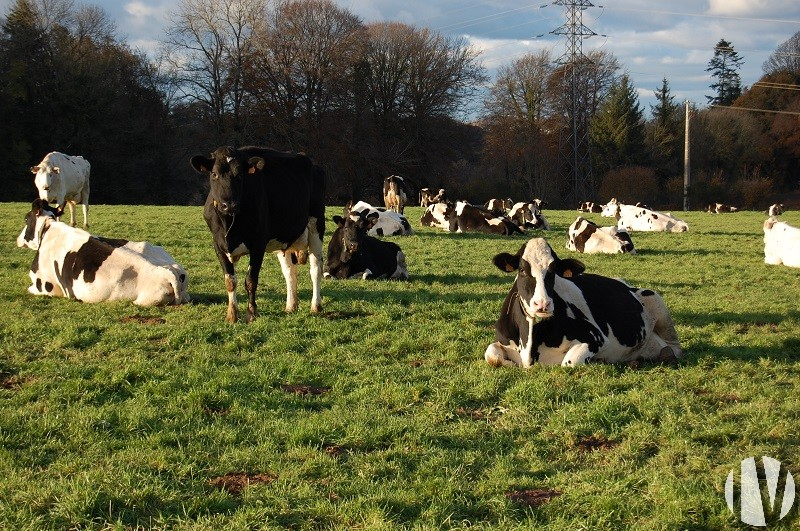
x: 381, y: 413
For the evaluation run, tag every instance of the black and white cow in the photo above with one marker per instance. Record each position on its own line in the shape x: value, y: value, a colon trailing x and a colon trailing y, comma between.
x: 590, y: 207
x: 427, y: 197
x: 583, y: 236
x: 720, y: 208
x: 556, y: 314
x: 388, y: 224
x: 395, y: 193
x: 781, y: 243
x: 352, y: 253
x: 64, y: 180
x: 528, y: 216
x: 775, y: 210
x: 635, y: 218
x: 265, y: 201
x: 469, y: 218
x: 72, y: 263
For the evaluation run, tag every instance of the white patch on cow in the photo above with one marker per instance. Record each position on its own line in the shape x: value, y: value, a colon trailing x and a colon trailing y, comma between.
x: 460, y: 207
x: 495, y: 221
x: 229, y: 159
x: 237, y: 253
x: 781, y: 243
x: 539, y: 256
x: 289, y: 270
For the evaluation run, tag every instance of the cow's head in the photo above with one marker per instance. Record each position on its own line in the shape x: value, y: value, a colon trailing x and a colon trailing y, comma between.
x: 537, y: 266
x: 355, y: 226
x: 36, y: 222
x: 48, y: 181
x: 227, y: 169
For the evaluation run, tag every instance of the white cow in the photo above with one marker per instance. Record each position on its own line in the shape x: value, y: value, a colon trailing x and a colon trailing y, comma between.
x: 781, y: 243
x: 389, y: 223
x: 72, y: 263
x: 636, y: 218
x: 64, y: 179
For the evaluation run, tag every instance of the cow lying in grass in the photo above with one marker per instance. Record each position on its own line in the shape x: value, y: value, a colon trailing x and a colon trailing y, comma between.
x: 352, y: 253
x: 72, y: 263
x: 554, y: 314
x: 781, y: 243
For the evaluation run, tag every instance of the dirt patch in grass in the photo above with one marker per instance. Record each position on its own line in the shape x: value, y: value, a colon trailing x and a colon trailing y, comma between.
x: 144, y: 319
x: 12, y: 382
x: 334, y: 450
x: 532, y: 497
x: 594, y: 442
x: 305, y: 389
x: 235, y: 482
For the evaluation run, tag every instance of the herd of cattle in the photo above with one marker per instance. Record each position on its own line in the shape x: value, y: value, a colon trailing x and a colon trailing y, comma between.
x: 265, y: 201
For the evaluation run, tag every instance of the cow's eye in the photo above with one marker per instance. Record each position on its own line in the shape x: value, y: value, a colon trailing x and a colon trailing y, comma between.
x: 523, y: 273
x: 214, y: 175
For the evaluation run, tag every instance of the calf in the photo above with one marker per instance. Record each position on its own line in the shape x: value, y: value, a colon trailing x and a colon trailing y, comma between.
x: 469, y: 218
x: 554, y: 314
x: 352, y: 253
x: 73, y: 264
x: 634, y: 218
x: 781, y: 243
x: 586, y: 237
x: 264, y: 201
x: 64, y: 180
x: 388, y: 224
x: 395, y: 193
x: 528, y: 216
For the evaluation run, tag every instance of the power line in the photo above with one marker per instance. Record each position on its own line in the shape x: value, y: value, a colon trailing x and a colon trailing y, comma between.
x: 756, y: 110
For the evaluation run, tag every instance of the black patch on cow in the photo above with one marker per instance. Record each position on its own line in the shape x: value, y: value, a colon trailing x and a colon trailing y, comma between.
x: 655, y: 216
x: 583, y: 236
x: 647, y: 292
x: 113, y: 242
x: 35, y: 263
x: 48, y: 287
x: 39, y: 285
x: 86, y: 260
x: 379, y: 232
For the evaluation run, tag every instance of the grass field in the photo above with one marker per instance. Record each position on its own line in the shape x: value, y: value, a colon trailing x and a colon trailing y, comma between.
x: 381, y: 413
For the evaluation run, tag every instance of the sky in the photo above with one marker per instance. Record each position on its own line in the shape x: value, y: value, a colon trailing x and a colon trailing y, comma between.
x: 652, y: 39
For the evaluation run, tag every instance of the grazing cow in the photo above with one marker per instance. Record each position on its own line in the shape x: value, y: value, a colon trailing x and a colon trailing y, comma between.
x: 781, y: 243
x: 395, y: 193
x: 719, y: 208
x: 64, y: 180
x: 775, y: 210
x: 586, y: 237
x: 590, y: 207
x: 498, y: 207
x: 72, y: 263
x: 438, y: 215
x: 265, y: 201
x: 388, y: 224
x: 352, y: 253
x: 633, y: 218
x: 528, y: 216
x: 426, y: 197
x: 469, y: 218
x: 554, y: 314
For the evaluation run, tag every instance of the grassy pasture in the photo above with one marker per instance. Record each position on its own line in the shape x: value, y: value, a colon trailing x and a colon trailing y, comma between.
x: 381, y: 413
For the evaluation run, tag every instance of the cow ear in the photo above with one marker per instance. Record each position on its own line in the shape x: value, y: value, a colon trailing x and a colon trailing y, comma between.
x: 56, y: 169
x: 201, y: 164
x: 348, y: 206
x: 339, y: 220
x: 34, y: 169
x: 569, y: 267
x: 256, y: 163
x: 506, y: 262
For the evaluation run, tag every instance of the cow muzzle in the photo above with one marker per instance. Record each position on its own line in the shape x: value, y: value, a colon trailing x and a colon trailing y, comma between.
x: 226, y: 207
x: 537, y: 310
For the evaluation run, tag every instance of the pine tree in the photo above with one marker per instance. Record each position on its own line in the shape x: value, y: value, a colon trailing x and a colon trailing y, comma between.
x: 665, y: 132
x: 617, y: 130
x: 723, y: 67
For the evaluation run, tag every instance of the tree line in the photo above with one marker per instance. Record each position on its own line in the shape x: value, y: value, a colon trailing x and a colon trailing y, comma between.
x: 366, y: 101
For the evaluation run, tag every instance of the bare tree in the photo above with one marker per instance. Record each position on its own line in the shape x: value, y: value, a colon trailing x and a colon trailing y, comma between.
x: 785, y: 58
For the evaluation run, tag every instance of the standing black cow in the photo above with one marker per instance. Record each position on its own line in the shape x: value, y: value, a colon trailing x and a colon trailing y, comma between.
x: 352, y: 253
x: 261, y: 201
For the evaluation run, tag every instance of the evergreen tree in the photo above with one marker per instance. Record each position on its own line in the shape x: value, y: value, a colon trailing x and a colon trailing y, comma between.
x: 665, y: 132
x: 723, y: 67
x: 617, y: 130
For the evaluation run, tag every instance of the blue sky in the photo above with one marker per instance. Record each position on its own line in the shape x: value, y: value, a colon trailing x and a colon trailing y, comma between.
x: 652, y: 39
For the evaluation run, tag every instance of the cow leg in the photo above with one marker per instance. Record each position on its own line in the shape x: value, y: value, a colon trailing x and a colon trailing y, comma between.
x: 289, y: 269
x: 85, y: 215
x: 251, y: 284
x: 230, y: 285
x: 498, y: 355
x: 71, y: 214
x: 315, y: 268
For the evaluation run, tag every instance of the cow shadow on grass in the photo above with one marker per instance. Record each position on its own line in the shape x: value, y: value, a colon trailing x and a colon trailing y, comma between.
x: 743, y: 325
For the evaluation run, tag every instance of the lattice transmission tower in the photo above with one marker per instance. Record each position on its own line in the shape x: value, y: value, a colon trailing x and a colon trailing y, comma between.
x: 574, y: 157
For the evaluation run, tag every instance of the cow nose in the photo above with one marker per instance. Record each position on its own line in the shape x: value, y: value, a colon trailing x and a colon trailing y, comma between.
x: 227, y: 207
x: 541, y: 305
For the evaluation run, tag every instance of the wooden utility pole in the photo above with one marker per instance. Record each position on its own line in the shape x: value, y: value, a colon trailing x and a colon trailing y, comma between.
x: 686, y: 166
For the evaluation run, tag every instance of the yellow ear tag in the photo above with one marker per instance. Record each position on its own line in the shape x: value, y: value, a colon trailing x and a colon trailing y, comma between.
x: 251, y: 170
x: 215, y: 203
x: 567, y: 274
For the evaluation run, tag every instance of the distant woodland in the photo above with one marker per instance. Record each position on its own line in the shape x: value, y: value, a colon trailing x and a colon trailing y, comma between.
x: 367, y: 101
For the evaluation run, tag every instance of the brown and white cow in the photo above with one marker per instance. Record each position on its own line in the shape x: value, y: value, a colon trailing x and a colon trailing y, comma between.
x: 64, y: 180
x: 555, y: 314
x: 427, y: 197
x: 395, y: 193
x: 265, y: 201
x: 499, y: 207
x: 634, y: 218
x: 438, y: 215
x: 353, y: 253
x: 720, y: 208
x: 776, y: 209
x: 388, y: 223
x: 590, y: 207
x: 469, y: 218
x: 72, y: 263
x: 528, y: 216
x: 583, y: 236
x: 781, y: 243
